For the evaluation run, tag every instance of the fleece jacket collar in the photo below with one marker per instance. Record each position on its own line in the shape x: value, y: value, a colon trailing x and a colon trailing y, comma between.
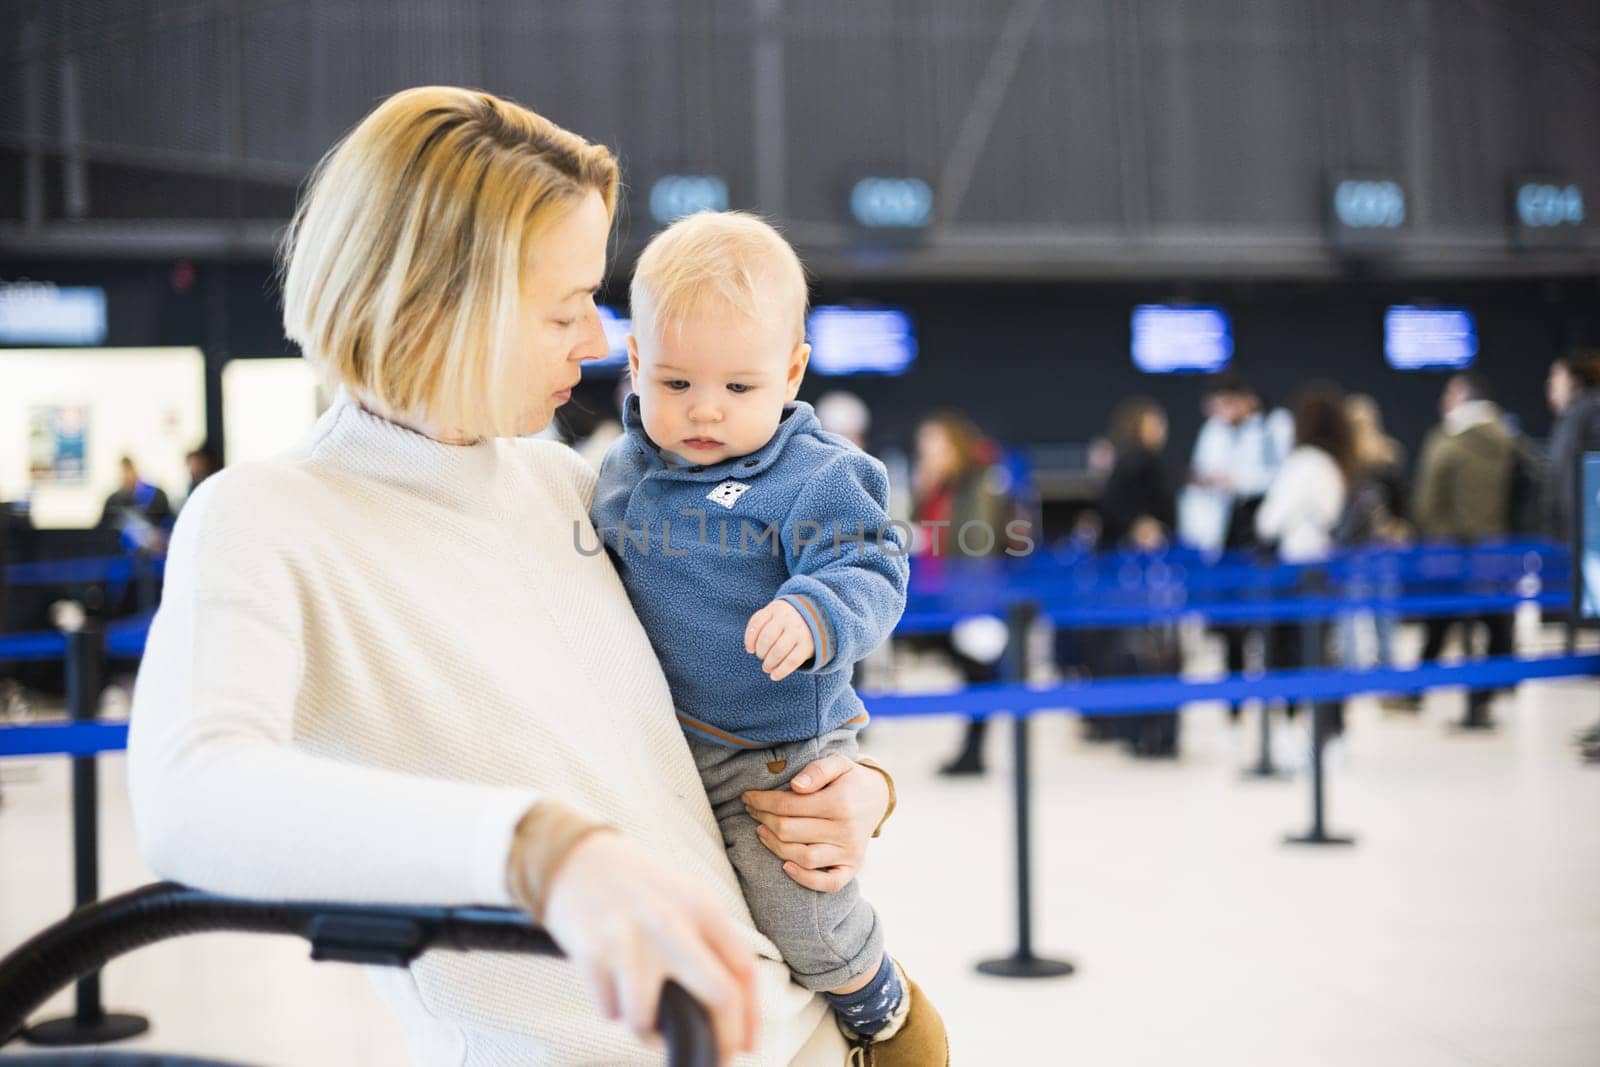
x: 797, y: 418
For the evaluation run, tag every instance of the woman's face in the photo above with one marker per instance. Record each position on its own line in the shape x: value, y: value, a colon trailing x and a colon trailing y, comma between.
x: 1558, y: 388
x: 936, y: 453
x: 561, y: 327
x: 1153, y: 431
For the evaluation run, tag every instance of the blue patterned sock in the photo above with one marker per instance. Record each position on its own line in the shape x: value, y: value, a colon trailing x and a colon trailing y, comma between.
x: 868, y: 1009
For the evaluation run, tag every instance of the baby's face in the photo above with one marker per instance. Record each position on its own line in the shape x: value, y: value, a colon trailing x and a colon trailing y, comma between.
x: 715, y: 388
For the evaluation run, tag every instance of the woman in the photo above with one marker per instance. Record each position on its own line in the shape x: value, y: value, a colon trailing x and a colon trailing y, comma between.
x: 957, y: 484
x: 1301, y: 510
x: 1374, y: 516
x: 1137, y: 512
x: 408, y: 683
x: 1574, y: 393
x: 1137, y: 504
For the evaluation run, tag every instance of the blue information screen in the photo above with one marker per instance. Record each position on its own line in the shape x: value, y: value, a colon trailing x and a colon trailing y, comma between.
x: 849, y: 340
x: 39, y: 313
x: 1416, y: 338
x: 1181, y: 339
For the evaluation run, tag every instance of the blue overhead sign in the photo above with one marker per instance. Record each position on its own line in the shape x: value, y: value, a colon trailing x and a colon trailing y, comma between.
x: 676, y: 195
x: 1547, y: 211
x: 41, y: 313
x: 885, y: 203
x: 1369, y: 204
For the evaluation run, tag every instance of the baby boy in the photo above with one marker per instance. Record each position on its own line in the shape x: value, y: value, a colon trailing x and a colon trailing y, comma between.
x: 758, y: 553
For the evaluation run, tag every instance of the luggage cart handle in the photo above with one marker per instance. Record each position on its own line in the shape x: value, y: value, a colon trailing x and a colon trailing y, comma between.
x: 385, y: 935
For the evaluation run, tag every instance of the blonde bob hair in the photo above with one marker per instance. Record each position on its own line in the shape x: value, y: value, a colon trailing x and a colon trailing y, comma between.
x: 403, y: 266
x: 730, y: 258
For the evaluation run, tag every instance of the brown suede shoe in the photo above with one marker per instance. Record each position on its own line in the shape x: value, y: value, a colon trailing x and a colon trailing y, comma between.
x: 920, y: 1041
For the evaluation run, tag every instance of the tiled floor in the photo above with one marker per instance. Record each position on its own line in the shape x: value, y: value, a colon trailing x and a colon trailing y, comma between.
x: 1462, y: 929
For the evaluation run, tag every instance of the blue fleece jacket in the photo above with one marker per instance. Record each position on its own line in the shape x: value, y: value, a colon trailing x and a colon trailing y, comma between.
x: 701, y: 549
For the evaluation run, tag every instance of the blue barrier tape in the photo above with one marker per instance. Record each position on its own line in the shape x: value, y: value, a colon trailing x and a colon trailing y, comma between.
x: 83, y: 571
x: 63, y: 739
x: 984, y: 581
x: 30, y: 647
x: 1104, y: 696
x: 1299, y: 609
x: 1360, y: 596
x: 1136, y: 695
x: 126, y: 639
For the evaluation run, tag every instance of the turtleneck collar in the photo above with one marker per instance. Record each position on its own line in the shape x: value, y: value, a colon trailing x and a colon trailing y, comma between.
x: 350, y: 437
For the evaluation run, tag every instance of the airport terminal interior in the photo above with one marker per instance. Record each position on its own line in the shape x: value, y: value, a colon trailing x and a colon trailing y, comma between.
x: 1180, y: 469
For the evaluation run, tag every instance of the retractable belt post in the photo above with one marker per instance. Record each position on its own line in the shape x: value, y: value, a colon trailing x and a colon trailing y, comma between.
x: 1264, y: 767
x: 1312, y: 649
x: 1022, y: 963
x: 91, y: 1024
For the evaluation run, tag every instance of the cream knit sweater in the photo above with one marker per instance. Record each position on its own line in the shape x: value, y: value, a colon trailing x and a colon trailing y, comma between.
x: 371, y: 657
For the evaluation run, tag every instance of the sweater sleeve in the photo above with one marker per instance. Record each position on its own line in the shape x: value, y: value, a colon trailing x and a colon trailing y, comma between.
x: 224, y: 798
x: 849, y: 567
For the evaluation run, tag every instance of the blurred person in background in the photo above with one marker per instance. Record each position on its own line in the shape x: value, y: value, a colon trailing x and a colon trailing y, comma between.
x: 955, y: 480
x: 138, y: 511
x: 1374, y: 517
x: 1138, y: 504
x: 1137, y: 512
x: 1573, y: 390
x: 842, y: 412
x: 1236, y: 456
x: 202, y: 463
x: 1574, y: 395
x: 1463, y: 495
x: 1300, y: 513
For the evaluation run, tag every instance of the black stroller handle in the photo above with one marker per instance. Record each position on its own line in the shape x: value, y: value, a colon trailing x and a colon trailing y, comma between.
x: 385, y: 935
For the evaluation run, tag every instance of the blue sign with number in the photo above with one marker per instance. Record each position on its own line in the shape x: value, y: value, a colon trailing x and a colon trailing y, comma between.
x: 892, y: 203
x: 676, y: 195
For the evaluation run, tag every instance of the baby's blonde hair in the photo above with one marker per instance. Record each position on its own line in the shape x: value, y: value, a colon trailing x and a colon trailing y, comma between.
x: 733, y: 258
x: 403, y: 266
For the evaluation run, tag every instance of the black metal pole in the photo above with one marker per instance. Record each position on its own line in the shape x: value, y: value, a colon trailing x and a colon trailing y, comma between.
x: 91, y: 1024
x: 1022, y: 963
x: 144, y: 574
x: 1311, y: 655
x: 1264, y: 767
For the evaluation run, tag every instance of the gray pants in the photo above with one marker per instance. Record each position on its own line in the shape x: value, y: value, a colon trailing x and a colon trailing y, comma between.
x: 827, y: 939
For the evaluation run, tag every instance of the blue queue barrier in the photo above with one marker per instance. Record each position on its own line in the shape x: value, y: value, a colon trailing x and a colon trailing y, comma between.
x: 1133, y: 696
x: 974, y: 582
x: 1118, y: 696
x: 32, y: 647
x: 1139, y: 695
x: 1244, y: 569
x: 115, y: 573
x: 1239, y: 612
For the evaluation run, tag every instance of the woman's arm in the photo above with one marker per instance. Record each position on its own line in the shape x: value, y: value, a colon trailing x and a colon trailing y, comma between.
x: 221, y: 797
x: 627, y: 922
x: 820, y: 826
x: 223, y: 800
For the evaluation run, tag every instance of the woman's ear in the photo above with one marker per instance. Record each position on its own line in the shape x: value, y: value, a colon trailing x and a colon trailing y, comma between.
x: 798, y: 361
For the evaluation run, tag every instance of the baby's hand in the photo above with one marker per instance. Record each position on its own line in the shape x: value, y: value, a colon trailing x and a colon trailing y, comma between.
x: 779, y: 636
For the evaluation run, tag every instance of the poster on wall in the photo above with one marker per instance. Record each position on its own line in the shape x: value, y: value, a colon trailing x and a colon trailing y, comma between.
x: 58, y: 451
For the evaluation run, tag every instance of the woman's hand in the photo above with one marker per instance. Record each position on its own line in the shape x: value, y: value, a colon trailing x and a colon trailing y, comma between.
x: 628, y: 923
x: 820, y: 825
